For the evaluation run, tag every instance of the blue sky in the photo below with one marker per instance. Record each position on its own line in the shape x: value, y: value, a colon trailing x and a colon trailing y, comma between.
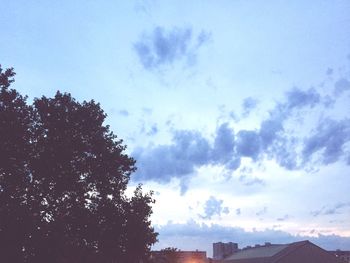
x: 237, y: 112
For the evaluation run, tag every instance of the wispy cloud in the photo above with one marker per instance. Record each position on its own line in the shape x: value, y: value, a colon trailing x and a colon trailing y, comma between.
x: 249, y: 180
x: 330, y: 210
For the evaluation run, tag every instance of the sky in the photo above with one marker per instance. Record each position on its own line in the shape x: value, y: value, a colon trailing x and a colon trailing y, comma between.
x: 237, y: 112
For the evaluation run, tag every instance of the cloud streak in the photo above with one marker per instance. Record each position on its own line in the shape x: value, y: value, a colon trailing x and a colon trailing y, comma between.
x: 336, y: 209
x: 190, y: 149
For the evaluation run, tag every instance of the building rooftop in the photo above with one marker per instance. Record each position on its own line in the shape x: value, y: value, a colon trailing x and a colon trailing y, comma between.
x: 303, y: 251
x: 258, y: 252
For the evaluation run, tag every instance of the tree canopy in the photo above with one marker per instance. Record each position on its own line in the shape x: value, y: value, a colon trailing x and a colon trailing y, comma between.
x: 63, y: 177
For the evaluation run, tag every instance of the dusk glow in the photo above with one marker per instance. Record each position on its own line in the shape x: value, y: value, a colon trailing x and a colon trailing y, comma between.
x: 236, y: 112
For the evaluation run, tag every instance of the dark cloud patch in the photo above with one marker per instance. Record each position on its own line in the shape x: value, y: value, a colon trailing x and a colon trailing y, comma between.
x: 248, y: 105
x: 330, y: 210
x: 269, y: 130
x: 328, y: 140
x: 189, y: 149
x: 248, y: 144
x: 341, y: 86
x: 214, y: 207
x: 284, y: 152
x: 297, y: 98
x: 164, y: 47
x: 224, y: 143
x: 270, y: 139
x: 163, y: 162
x: 191, y: 236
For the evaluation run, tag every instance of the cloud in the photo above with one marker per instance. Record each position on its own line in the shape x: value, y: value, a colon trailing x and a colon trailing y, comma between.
x: 189, y: 150
x: 213, y: 207
x: 285, y: 154
x: 248, y: 144
x: 284, y: 218
x: 297, y: 98
x: 163, y: 162
x: 341, y: 86
x: 335, y: 209
x: 269, y: 130
x: 203, y: 38
x: 124, y: 113
x: 270, y: 139
x: 273, y: 139
x: 248, y: 105
x: 238, y: 211
x: 224, y: 143
x: 153, y: 130
x: 262, y: 211
x: 164, y: 47
x: 192, y: 236
x: 329, y: 71
x: 250, y: 181
x: 329, y: 140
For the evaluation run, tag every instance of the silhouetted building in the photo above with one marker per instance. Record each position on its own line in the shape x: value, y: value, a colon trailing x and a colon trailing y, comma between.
x: 179, y: 257
x: 298, y: 252
x: 341, y: 254
x: 222, y: 250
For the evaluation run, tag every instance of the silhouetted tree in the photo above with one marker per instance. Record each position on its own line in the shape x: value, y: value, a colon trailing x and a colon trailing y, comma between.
x: 65, y: 174
x: 15, y: 136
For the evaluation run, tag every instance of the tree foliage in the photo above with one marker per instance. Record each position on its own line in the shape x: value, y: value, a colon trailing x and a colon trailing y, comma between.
x: 63, y: 177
